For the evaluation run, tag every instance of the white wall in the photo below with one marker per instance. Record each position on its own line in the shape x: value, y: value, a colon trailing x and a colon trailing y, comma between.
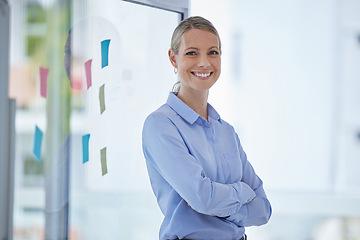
x: 290, y: 84
x: 281, y: 78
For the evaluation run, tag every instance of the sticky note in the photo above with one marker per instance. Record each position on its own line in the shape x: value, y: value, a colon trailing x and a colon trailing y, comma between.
x: 37, y: 143
x: 103, y: 161
x: 102, y: 98
x: 43, y: 81
x: 85, y: 147
x: 88, y: 72
x: 105, y: 53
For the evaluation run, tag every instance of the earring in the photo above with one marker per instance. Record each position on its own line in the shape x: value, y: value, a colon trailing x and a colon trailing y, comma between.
x: 175, y: 70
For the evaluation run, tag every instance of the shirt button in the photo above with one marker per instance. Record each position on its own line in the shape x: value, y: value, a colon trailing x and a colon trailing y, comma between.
x: 205, y: 123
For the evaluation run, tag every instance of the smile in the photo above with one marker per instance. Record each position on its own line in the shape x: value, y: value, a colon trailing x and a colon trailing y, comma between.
x: 202, y: 75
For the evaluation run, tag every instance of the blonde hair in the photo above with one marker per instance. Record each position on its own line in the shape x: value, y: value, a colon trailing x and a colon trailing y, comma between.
x: 185, y: 25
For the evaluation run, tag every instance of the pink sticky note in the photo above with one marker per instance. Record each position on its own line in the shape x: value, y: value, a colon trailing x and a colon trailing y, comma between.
x: 88, y: 73
x: 43, y: 81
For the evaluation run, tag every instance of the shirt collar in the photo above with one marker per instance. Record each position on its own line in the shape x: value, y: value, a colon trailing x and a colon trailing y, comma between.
x: 213, y: 113
x: 186, y: 112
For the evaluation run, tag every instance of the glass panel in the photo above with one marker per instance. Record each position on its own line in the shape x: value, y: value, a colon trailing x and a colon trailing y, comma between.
x: 137, y: 79
x: 130, y: 77
x: 43, y: 107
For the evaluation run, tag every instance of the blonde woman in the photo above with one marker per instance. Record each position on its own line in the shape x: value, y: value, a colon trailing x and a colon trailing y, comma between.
x: 204, y: 184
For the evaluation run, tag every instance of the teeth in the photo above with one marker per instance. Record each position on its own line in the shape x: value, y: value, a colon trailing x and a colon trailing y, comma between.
x: 202, y: 74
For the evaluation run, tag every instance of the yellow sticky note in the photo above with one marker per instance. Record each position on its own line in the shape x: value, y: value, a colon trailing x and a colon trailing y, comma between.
x: 102, y: 98
x: 103, y: 161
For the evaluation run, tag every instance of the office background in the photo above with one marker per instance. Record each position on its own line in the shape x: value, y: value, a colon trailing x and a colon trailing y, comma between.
x: 290, y: 85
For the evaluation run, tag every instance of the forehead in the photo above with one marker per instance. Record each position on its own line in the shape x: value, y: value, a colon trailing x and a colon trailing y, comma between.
x: 199, y: 38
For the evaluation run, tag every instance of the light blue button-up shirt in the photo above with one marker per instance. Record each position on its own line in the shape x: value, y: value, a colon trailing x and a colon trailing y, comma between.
x: 199, y: 172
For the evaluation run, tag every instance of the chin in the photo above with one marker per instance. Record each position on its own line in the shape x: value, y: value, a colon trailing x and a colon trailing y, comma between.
x: 205, y: 87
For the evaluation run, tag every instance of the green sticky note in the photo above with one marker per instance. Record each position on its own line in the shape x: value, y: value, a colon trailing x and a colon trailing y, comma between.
x: 102, y: 98
x: 103, y: 161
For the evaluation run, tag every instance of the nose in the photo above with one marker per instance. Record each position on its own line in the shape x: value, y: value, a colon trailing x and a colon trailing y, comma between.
x: 203, y: 61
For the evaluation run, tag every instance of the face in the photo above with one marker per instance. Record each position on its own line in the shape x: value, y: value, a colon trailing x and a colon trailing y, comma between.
x: 198, y: 60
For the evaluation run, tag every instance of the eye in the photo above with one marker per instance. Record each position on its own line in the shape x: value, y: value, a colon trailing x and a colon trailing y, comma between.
x: 191, y: 53
x: 213, y: 52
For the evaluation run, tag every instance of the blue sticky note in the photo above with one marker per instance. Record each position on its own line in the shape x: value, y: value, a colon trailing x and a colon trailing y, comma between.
x: 105, y: 53
x: 85, y: 146
x: 37, y: 143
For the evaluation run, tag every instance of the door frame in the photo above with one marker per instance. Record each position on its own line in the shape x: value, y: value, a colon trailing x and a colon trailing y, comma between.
x: 178, y: 6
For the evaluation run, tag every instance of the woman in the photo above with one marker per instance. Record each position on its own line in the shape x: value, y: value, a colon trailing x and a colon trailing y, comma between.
x: 199, y: 172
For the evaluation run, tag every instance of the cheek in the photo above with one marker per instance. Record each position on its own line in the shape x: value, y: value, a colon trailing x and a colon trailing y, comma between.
x: 218, y: 63
x: 184, y: 65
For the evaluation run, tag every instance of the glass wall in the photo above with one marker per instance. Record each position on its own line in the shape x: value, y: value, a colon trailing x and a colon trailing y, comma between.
x: 85, y: 74
x: 290, y: 85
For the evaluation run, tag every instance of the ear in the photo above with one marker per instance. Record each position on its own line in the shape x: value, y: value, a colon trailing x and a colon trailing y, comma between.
x: 172, y: 58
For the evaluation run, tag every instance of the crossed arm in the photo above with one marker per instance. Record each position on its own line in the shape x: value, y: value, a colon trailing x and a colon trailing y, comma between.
x: 242, y: 202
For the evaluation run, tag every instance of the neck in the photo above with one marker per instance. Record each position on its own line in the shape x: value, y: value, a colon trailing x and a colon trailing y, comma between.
x: 196, y: 100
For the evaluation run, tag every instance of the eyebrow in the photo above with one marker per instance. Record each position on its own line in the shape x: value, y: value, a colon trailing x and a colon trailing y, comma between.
x: 194, y: 48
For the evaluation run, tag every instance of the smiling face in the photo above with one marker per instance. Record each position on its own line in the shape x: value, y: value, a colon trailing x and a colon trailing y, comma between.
x: 198, y: 60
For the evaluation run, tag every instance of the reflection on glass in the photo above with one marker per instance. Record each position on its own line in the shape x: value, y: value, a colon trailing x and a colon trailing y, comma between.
x: 60, y: 196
